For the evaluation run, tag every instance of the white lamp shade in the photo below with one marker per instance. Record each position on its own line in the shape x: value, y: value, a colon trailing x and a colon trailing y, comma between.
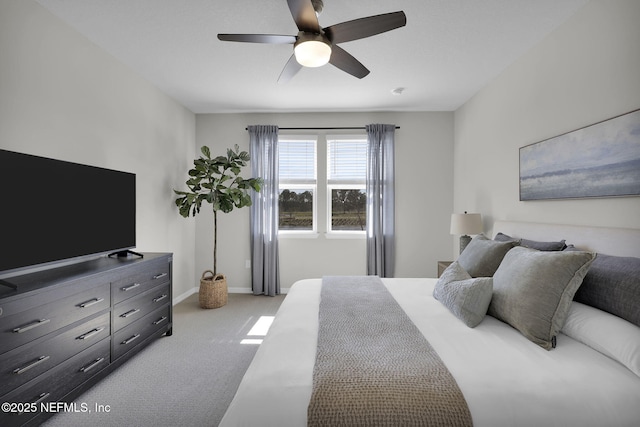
x: 466, y: 223
x: 312, y: 53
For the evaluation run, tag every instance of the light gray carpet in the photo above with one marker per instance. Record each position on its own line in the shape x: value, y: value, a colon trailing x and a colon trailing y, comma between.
x: 187, y: 379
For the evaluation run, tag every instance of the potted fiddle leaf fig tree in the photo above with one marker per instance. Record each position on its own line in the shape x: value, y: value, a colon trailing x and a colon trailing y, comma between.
x: 216, y: 181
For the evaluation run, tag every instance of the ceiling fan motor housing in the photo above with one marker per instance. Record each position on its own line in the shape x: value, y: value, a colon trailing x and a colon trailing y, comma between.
x: 317, y: 6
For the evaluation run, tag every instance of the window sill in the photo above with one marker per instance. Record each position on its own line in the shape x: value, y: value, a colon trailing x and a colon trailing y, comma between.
x: 297, y: 235
x: 329, y: 236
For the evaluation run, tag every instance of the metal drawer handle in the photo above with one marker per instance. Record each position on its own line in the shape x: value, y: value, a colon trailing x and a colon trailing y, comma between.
x: 31, y: 326
x: 41, y: 397
x: 90, y: 302
x: 92, y: 365
x: 33, y: 364
x: 159, y: 276
x: 128, y: 288
x: 90, y: 334
x: 130, y: 313
x: 160, y: 298
x: 162, y: 319
x: 129, y: 340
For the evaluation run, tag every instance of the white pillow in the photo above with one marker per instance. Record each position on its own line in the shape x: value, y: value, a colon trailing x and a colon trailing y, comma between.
x: 606, y: 333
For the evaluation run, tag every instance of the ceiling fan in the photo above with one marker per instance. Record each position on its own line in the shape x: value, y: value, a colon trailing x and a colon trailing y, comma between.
x: 314, y: 46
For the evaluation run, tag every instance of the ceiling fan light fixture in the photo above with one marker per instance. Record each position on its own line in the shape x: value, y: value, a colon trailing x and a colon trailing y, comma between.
x: 312, y: 53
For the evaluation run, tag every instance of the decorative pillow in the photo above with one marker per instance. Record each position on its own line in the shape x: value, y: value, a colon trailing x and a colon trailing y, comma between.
x: 606, y: 333
x: 482, y: 256
x: 467, y: 298
x: 613, y: 285
x: 533, y: 244
x: 533, y: 290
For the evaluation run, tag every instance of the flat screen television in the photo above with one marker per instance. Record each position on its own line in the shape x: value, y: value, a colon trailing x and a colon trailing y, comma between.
x: 54, y: 211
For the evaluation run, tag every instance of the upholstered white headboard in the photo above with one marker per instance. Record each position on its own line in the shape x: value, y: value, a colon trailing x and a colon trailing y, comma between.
x: 611, y: 241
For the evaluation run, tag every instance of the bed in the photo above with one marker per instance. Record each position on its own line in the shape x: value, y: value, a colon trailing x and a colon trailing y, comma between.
x: 590, y: 376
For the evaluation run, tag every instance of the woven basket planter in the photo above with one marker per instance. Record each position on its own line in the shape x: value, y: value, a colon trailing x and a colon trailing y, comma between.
x: 213, y: 290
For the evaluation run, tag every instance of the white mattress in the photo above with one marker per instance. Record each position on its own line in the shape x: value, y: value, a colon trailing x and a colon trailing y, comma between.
x: 506, y: 379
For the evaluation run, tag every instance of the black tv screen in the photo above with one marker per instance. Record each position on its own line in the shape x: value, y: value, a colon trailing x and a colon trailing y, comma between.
x: 53, y: 210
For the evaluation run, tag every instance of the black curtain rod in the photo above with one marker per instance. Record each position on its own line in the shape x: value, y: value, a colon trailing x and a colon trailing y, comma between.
x: 327, y: 128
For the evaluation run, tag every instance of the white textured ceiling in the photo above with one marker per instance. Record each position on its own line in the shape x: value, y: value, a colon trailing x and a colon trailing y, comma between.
x: 448, y: 50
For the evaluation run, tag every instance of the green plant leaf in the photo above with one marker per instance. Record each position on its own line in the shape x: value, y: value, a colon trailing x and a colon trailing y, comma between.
x: 226, y: 206
x: 246, y: 201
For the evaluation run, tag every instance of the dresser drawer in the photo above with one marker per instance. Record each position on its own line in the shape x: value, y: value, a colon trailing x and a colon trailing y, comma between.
x: 55, y: 384
x: 139, y: 306
x: 26, y: 326
x: 30, y: 360
x: 130, y: 336
x: 142, y: 279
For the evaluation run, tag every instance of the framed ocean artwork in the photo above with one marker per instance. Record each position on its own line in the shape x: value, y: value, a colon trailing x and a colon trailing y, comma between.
x: 600, y: 160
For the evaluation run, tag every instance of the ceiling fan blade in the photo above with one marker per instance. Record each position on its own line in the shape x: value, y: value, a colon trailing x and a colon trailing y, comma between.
x: 290, y: 69
x: 365, y: 27
x: 304, y: 15
x: 258, y: 38
x: 347, y: 63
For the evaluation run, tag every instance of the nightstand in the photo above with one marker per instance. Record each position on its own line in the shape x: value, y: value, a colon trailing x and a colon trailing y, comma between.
x: 442, y: 266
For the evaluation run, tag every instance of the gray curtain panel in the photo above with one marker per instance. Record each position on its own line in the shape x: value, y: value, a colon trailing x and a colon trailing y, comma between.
x: 380, y: 188
x: 263, y: 149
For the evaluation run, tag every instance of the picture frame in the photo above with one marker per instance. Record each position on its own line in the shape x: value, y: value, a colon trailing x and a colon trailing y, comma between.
x: 599, y: 160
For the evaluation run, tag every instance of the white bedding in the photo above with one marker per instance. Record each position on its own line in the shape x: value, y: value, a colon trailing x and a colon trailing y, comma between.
x: 506, y: 379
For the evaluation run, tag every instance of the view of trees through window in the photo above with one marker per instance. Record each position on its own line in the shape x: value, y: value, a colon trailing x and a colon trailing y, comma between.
x: 296, y: 209
x: 348, y: 209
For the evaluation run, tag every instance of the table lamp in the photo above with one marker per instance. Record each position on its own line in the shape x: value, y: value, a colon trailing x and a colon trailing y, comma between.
x: 465, y: 224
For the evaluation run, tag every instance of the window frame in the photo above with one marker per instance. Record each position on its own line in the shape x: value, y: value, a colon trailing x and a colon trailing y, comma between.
x: 301, y: 184
x: 342, y: 184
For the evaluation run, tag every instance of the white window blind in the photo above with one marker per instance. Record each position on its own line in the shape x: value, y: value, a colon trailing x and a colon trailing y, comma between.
x: 297, y: 161
x: 347, y: 161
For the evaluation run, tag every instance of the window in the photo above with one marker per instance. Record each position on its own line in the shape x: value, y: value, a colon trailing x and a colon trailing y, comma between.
x: 325, y: 175
x: 346, y: 176
x: 297, y: 184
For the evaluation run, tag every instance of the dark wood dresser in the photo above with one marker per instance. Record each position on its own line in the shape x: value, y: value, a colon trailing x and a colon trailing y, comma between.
x: 63, y: 329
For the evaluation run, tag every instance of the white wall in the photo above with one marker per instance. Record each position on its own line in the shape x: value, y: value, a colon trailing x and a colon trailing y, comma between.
x: 586, y: 71
x: 63, y: 97
x: 424, y: 150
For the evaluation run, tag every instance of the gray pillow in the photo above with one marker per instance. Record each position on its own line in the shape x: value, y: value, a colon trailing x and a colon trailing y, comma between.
x: 467, y: 298
x: 533, y: 290
x: 533, y: 244
x: 612, y: 285
x: 482, y: 256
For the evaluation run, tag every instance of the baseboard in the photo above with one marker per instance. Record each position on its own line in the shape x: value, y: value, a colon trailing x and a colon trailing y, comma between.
x: 185, y: 295
x: 233, y: 290
x: 237, y: 290
x: 249, y: 291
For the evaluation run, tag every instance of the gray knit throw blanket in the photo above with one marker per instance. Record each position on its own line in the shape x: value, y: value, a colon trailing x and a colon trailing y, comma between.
x: 374, y: 367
